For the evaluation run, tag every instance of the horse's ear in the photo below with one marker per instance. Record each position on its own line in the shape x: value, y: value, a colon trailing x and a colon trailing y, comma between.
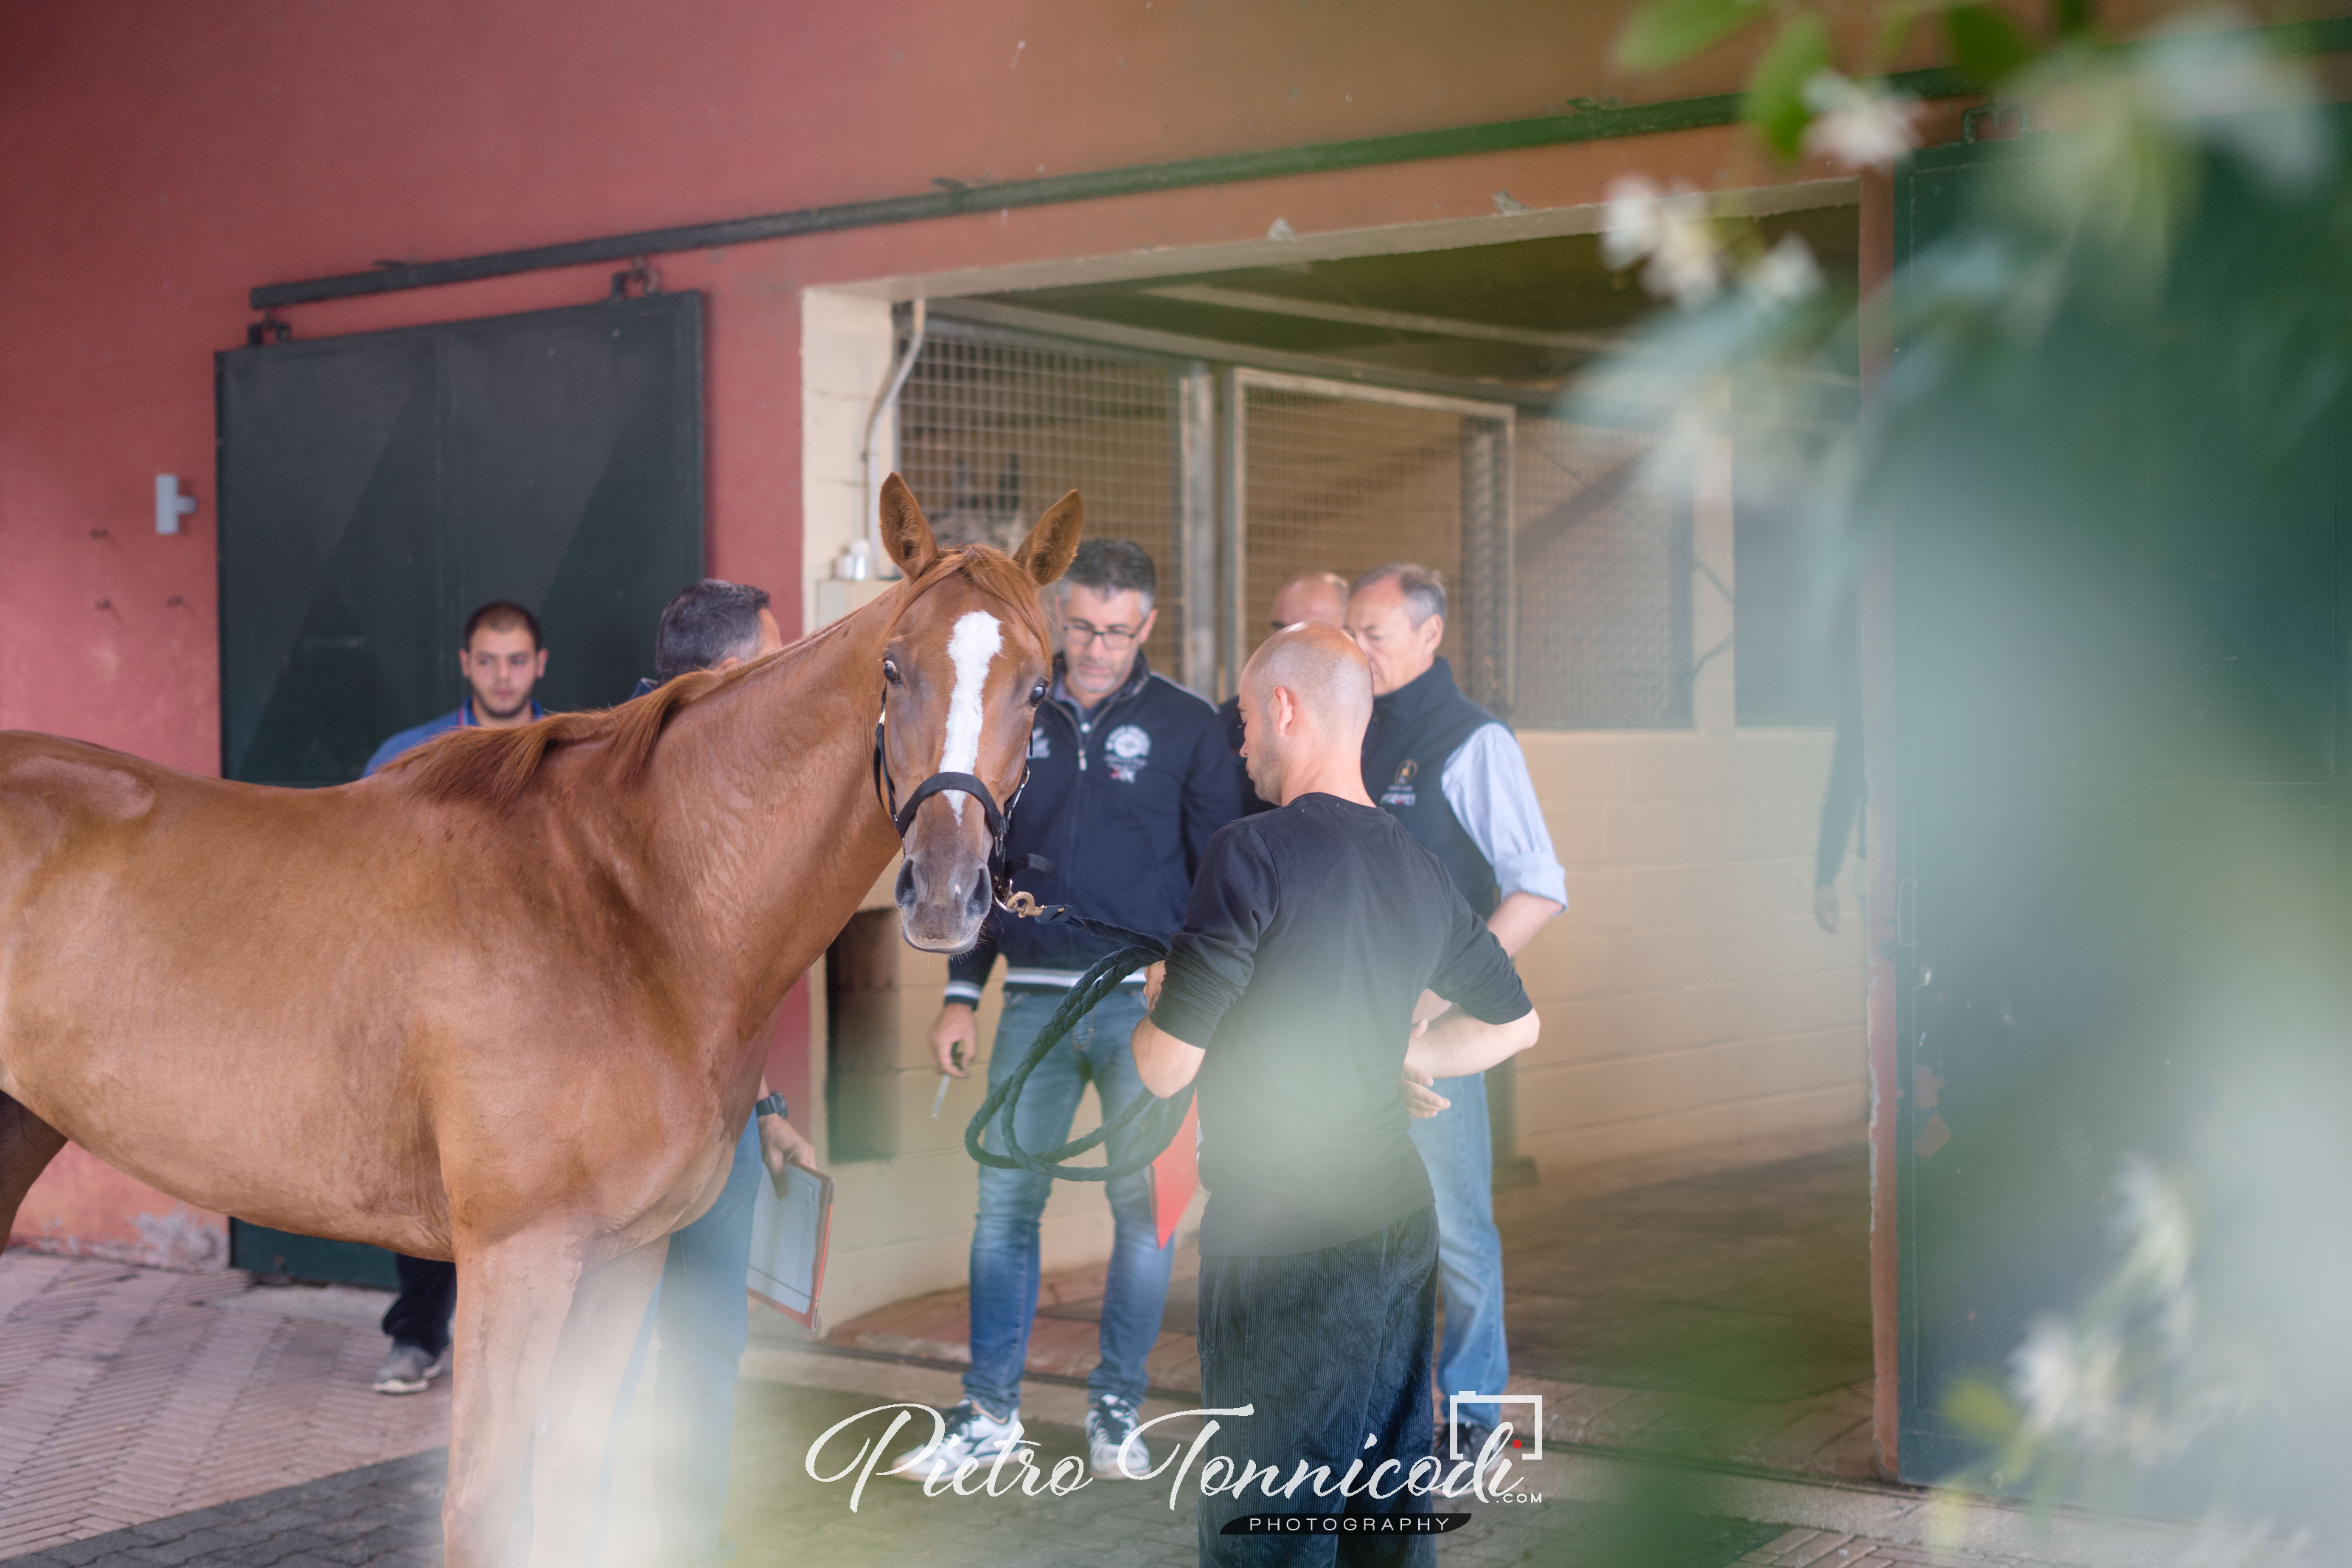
x: 905, y: 533
x: 1047, y: 551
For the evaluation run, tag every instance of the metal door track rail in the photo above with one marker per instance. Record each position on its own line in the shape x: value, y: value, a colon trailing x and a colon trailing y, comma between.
x: 956, y: 200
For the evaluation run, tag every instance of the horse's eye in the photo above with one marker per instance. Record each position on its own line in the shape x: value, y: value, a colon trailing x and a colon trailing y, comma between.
x: 890, y: 671
x: 1036, y: 694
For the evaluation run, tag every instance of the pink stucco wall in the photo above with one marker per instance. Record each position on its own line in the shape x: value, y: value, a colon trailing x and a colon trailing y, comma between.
x: 162, y: 159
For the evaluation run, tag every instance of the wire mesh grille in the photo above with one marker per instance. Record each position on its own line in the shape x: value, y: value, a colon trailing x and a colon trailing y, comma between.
x: 1339, y: 484
x: 1601, y: 577
x: 991, y: 432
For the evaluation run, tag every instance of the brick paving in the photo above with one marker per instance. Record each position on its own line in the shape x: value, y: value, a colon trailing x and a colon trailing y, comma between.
x: 1829, y: 1548
x: 1827, y: 1435
x: 387, y: 1516
x: 140, y: 1427
x: 380, y: 1516
x: 124, y: 1399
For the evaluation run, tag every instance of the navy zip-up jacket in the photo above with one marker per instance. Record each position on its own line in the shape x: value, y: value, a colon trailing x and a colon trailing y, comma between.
x: 1123, y: 801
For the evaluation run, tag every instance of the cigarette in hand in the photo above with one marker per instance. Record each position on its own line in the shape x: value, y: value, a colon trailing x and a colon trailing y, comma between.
x: 939, y: 1098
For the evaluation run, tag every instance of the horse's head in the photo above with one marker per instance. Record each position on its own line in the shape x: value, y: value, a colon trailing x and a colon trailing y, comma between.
x: 969, y: 660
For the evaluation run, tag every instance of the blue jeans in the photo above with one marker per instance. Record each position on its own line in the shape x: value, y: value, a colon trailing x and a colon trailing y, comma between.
x: 1004, y: 1238
x: 1456, y: 1147
x: 704, y: 1317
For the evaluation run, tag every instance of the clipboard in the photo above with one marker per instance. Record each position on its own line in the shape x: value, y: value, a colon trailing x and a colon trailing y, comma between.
x: 789, y: 1236
x: 1175, y: 1176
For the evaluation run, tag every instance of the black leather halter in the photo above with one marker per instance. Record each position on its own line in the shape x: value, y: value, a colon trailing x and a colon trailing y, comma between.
x: 886, y: 792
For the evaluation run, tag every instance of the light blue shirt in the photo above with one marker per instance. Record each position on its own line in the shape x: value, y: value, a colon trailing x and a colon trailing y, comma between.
x: 409, y: 740
x: 1487, y: 783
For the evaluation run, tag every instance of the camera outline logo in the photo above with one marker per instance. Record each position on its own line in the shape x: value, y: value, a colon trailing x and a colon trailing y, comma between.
x: 1453, y: 1418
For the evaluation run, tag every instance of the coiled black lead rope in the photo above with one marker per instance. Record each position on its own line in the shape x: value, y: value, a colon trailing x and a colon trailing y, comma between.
x: 1159, y: 1119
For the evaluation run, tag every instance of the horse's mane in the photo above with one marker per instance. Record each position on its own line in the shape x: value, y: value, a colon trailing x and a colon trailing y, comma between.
x: 497, y: 766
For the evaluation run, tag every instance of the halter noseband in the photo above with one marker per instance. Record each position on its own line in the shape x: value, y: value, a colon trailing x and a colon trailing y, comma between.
x: 885, y: 791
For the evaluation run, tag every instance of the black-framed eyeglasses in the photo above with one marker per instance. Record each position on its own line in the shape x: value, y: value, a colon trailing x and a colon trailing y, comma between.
x: 1115, y: 638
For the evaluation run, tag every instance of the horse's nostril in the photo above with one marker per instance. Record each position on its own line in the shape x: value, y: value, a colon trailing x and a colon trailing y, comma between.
x: 983, y: 892
x: 905, y: 892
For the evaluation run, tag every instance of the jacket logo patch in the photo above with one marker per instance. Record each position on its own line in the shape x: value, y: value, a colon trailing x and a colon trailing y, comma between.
x: 1125, y: 749
x: 1400, y: 791
x: 1040, y: 745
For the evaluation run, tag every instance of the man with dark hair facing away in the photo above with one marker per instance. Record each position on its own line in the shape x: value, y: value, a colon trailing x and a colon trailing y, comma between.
x: 501, y: 659
x: 699, y: 1307
x: 1313, y: 931
x: 1128, y: 777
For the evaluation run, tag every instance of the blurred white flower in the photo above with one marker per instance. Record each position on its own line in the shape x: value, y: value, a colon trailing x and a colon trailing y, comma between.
x: 2067, y: 1383
x: 2211, y: 68
x: 1860, y: 125
x: 2153, y: 1227
x: 1783, y: 275
x: 1671, y: 228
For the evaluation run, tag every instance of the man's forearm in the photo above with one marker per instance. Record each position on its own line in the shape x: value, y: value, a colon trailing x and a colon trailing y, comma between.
x: 1458, y: 1045
x: 1518, y: 917
x: 1163, y: 1062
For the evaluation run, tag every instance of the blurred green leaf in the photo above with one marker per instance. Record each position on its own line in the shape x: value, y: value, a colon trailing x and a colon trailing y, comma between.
x: 1667, y: 31
x: 1775, y: 92
x: 2068, y: 17
x: 1985, y: 43
x: 1980, y: 1410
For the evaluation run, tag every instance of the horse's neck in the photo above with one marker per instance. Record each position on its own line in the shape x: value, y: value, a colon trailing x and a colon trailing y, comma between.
x: 768, y: 828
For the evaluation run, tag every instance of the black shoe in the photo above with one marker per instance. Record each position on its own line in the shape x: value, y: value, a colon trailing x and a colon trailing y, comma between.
x: 1467, y: 1439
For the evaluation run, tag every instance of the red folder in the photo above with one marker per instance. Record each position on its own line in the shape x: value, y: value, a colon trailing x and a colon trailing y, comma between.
x: 1176, y: 1176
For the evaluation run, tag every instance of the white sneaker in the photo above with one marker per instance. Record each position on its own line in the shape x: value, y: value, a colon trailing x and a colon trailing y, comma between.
x: 972, y: 1434
x: 1110, y: 1423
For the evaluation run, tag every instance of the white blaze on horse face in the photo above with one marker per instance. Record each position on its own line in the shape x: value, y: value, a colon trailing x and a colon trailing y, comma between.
x: 972, y: 646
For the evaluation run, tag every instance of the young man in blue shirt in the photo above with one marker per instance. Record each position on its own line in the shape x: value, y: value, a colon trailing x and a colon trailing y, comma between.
x: 501, y: 659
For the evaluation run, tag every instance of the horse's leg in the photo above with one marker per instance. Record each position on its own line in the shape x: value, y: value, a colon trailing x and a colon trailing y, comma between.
x: 27, y: 1145
x: 607, y: 1311
x: 512, y: 1295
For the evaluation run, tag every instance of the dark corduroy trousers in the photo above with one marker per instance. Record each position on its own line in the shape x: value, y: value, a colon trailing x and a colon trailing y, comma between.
x: 1332, y: 1347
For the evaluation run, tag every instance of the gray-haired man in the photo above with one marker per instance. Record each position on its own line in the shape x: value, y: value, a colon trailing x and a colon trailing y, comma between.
x: 1454, y: 776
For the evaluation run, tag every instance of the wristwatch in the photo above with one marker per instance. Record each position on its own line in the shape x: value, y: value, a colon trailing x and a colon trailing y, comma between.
x: 773, y: 1106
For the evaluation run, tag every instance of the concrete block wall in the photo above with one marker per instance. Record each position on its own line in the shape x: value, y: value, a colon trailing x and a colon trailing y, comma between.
x: 846, y: 343
x: 1689, y: 1001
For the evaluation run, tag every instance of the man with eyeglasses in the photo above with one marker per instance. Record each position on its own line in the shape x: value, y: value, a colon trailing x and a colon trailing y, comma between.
x: 1129, y: 778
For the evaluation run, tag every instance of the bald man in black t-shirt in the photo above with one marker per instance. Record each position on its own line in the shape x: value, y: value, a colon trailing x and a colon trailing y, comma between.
x: 1313, y: 931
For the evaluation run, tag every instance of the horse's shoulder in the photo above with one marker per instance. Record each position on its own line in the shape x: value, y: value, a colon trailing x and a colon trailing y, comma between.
x: 75, y: 776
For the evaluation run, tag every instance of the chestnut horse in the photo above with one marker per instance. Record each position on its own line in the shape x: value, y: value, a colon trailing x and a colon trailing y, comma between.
x: 507, y: 1001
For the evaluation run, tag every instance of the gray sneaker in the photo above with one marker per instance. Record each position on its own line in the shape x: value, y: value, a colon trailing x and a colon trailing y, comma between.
x: 1110, y: 1428
x: 972, y: 1435
x: 409, y: 1369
